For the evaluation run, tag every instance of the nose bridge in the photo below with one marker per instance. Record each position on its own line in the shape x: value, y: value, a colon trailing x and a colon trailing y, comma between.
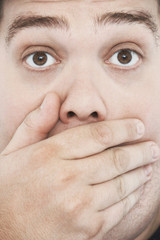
x: 83, y: 102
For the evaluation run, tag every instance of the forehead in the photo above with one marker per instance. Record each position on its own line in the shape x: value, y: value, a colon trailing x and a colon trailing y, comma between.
x: 137, y: 4
x: 77, y: 10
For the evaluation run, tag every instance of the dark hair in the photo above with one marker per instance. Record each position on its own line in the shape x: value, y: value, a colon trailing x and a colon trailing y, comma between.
x: 1, y: 8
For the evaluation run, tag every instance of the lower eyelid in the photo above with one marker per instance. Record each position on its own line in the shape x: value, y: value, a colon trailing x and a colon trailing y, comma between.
x: 41, y: 69
x: 58, y: 61
x: 49, y: 56
x: 123, y: 69
x: 124, y: 66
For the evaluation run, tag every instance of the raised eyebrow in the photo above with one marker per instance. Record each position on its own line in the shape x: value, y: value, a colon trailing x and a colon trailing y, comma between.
x: 23, y: 22
x: 129, y: 17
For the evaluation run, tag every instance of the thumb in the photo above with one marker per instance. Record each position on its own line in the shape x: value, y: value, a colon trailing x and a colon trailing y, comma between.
x: 36, y: 125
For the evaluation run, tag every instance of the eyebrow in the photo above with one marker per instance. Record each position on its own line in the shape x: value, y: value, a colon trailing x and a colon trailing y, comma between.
x: 23, y: 22
x: 130, y: 17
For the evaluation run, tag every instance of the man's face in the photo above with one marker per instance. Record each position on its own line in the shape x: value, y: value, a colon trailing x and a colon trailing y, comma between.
x: 103, y: 66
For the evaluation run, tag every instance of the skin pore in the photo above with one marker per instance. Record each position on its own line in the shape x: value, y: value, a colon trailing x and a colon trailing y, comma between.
x: 82, y: 43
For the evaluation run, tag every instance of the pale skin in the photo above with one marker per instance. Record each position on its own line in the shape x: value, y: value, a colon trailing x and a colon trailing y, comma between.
x: 80, y: 136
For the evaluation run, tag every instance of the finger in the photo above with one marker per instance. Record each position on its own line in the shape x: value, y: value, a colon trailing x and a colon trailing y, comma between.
x: 116, y: 161
x: 36, y: 125
x: 90, y: 139
x: 111, y: 192
x: 113, y: 215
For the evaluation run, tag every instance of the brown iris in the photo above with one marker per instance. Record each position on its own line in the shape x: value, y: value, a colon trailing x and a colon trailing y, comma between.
x: 124, y: 56
x: 40, y: 58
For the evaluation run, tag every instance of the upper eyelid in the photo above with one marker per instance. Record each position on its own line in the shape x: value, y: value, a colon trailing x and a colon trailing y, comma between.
x: 131, y: 50
x: 106, y: 60
x: 31, y: 50
x: 124, y: 45
x: 61, y: 53
x: 25, y: 57
x: 124, y: 68
x: 32, y: 54
x: 41, y: 69
x: 51, y: 51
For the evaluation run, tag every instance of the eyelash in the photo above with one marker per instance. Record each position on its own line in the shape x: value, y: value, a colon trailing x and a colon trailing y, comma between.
x: 50, y: 54
x: 125, y: 67
x: 107, y: 62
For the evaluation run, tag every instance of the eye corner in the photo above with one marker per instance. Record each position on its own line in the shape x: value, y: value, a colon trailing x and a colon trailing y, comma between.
x: 131, y: 59
x: 40, y: 61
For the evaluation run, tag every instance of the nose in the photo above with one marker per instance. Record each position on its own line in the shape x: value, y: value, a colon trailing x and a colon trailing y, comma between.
x: 83, y: 104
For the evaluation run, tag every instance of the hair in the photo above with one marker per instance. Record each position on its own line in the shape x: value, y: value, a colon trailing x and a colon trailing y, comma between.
x: 1, y: 8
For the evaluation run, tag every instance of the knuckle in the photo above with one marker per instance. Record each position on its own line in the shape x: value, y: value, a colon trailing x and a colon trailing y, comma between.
x: 73, y: 207
x: 75, y: 204
x: 121, y: 187
x: 93, y: 228
x: 67, y: 175
x: 137, y: 194
x: 126, y: 206
x: 28, y: 122
x: 120, y: 160
x: 147, y: 151
x: 41, y: 155
x: 140, y: 176
x: 130, y: 201
x: 102, y: 134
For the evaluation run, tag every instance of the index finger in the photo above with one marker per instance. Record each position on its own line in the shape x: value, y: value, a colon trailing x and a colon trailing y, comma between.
x: 87, y: 140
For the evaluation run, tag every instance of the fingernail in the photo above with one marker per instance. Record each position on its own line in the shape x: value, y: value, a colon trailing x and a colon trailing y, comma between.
x: 140, y: 128
x: 148, y: 170
x: 155, y: 152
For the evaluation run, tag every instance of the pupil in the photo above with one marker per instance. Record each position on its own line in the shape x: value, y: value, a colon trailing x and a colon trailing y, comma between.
x: 125, y: 56
x: 40, y: 58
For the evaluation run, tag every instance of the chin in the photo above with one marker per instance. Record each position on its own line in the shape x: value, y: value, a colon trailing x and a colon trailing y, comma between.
x: 142, y: 220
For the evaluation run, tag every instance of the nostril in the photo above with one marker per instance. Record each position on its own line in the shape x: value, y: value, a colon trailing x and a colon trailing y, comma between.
x: 94, y: 115
x: 70, y: 114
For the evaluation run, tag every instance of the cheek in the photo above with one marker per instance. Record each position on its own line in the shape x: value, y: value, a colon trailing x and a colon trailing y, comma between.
x: 12, y: 114
x: 15, y: 105
x: 148, y: 110
x: 152, y: 119
x: 143, y: 105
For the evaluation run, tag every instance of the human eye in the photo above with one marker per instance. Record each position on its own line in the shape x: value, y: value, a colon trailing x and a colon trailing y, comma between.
x: 126, y: 58
x: 40, y: 60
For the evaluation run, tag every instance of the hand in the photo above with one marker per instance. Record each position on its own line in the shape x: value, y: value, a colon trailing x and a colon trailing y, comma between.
x: 75, y: 185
